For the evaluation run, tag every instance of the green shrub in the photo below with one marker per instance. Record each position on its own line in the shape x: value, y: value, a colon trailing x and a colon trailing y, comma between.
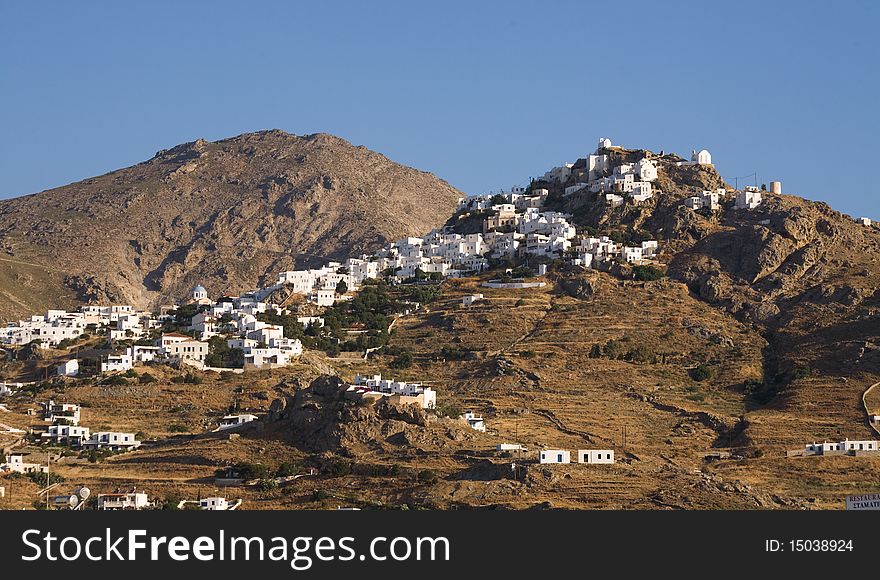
x: 701, y: 372
x: 402, y: 361
x: 647, y: 273
x: 286, y: 469
x: 427, y: 476
x: 267, y: 485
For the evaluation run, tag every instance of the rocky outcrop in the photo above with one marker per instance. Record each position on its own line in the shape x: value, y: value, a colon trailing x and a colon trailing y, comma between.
x: 321, y: 418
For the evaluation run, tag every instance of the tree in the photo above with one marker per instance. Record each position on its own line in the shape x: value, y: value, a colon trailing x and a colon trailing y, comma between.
x: 498, y: 199
x: 221, y: 355
x: 612, y: 349
x: 647, y: 273
x: 701, y: 372
x: 341, y: 288
x: 402, y: 361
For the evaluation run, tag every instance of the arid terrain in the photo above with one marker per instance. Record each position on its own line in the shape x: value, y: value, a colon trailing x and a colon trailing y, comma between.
x: 762, y: 336
x: 225, y: 214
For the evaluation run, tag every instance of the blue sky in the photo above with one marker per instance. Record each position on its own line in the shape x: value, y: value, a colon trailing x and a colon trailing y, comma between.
x: 483, y: 94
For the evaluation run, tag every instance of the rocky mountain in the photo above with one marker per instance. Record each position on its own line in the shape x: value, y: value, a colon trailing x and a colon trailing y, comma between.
x: 226, y: 214
x: 802, y: 274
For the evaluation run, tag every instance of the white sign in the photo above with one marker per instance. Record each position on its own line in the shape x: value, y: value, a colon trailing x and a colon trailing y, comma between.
x: 869, y: 501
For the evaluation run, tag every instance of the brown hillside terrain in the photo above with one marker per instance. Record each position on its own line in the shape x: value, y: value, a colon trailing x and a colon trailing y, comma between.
x: 227, y: 214
x: 762, y: 336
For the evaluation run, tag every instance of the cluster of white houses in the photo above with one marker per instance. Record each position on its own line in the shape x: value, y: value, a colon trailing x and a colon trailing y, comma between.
x: 65, y: 429
x: 263, y: 344
x: 514, y: 224
x: 374, y: 387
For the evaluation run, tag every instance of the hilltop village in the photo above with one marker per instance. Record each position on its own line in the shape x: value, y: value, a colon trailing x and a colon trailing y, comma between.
x: 511, y: 240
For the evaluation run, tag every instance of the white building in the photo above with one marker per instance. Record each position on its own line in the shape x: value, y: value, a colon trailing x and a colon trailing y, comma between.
x: 576, y: 187
x: 72, y: 435
x: 554, y: 456
x: 323, y: 297
x: 605, y: 456
x: 199, y: 295
x: 646, y: 170
x: 702, y: 157
x: 116, y: 362
x: 186, y: 350
x: 708, y: 199
x: 112, y: 440
x: 864, y: 221
x: 255, y: 358
x: 15, y: 463
x: 69, y: 368
x: 749, y: 198
x: 142, y: 354
x: 61, y: 413
x: 217, y: 504
x: 468, y: 300
x: 474, y: 421
x: 232, y: 421
x: 845, y: 446
x: 509, y: 447
x: 398, y: 391
x: 123, y: 501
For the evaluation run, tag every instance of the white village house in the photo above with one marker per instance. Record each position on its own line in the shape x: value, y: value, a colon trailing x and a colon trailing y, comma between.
x: 232, y: 421
x: 124, y: 501
x: 554, y: 456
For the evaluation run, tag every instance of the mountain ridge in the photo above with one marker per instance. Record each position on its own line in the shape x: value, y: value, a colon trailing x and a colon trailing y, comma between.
x: 222, y: 213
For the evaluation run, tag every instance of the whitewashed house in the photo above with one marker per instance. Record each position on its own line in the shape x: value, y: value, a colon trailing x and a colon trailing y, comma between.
x: 15, y: 463
x: 323, y: 297
x: 576, y: 187
x: 641, y: 191
x: 559, y: 174
x: 123, y: 501
x: 69, y: 368
x: 116, y: 362
x: 646, y: 170
x: 142, y: 354
x: 604, y: 456
x: 749, y: 198
x: 845, y: 446
x: 864, y: 221
x: 186, y: 351
x: 218, y: 504
x: 613, y: 199
x: 232, y: 421
x: 474, y: 421
x: 61, y: 413
x: 468, y: 300
x: 112, y: 440
x: 72, y: 435
x: 554, y: 456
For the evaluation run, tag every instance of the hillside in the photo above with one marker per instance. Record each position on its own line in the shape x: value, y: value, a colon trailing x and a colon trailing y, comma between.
x: 226, y: 214
x: 759, y: 335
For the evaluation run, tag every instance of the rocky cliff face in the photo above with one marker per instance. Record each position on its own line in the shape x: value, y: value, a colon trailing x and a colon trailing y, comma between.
x: 320, y: 418
x: 226, y: 214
